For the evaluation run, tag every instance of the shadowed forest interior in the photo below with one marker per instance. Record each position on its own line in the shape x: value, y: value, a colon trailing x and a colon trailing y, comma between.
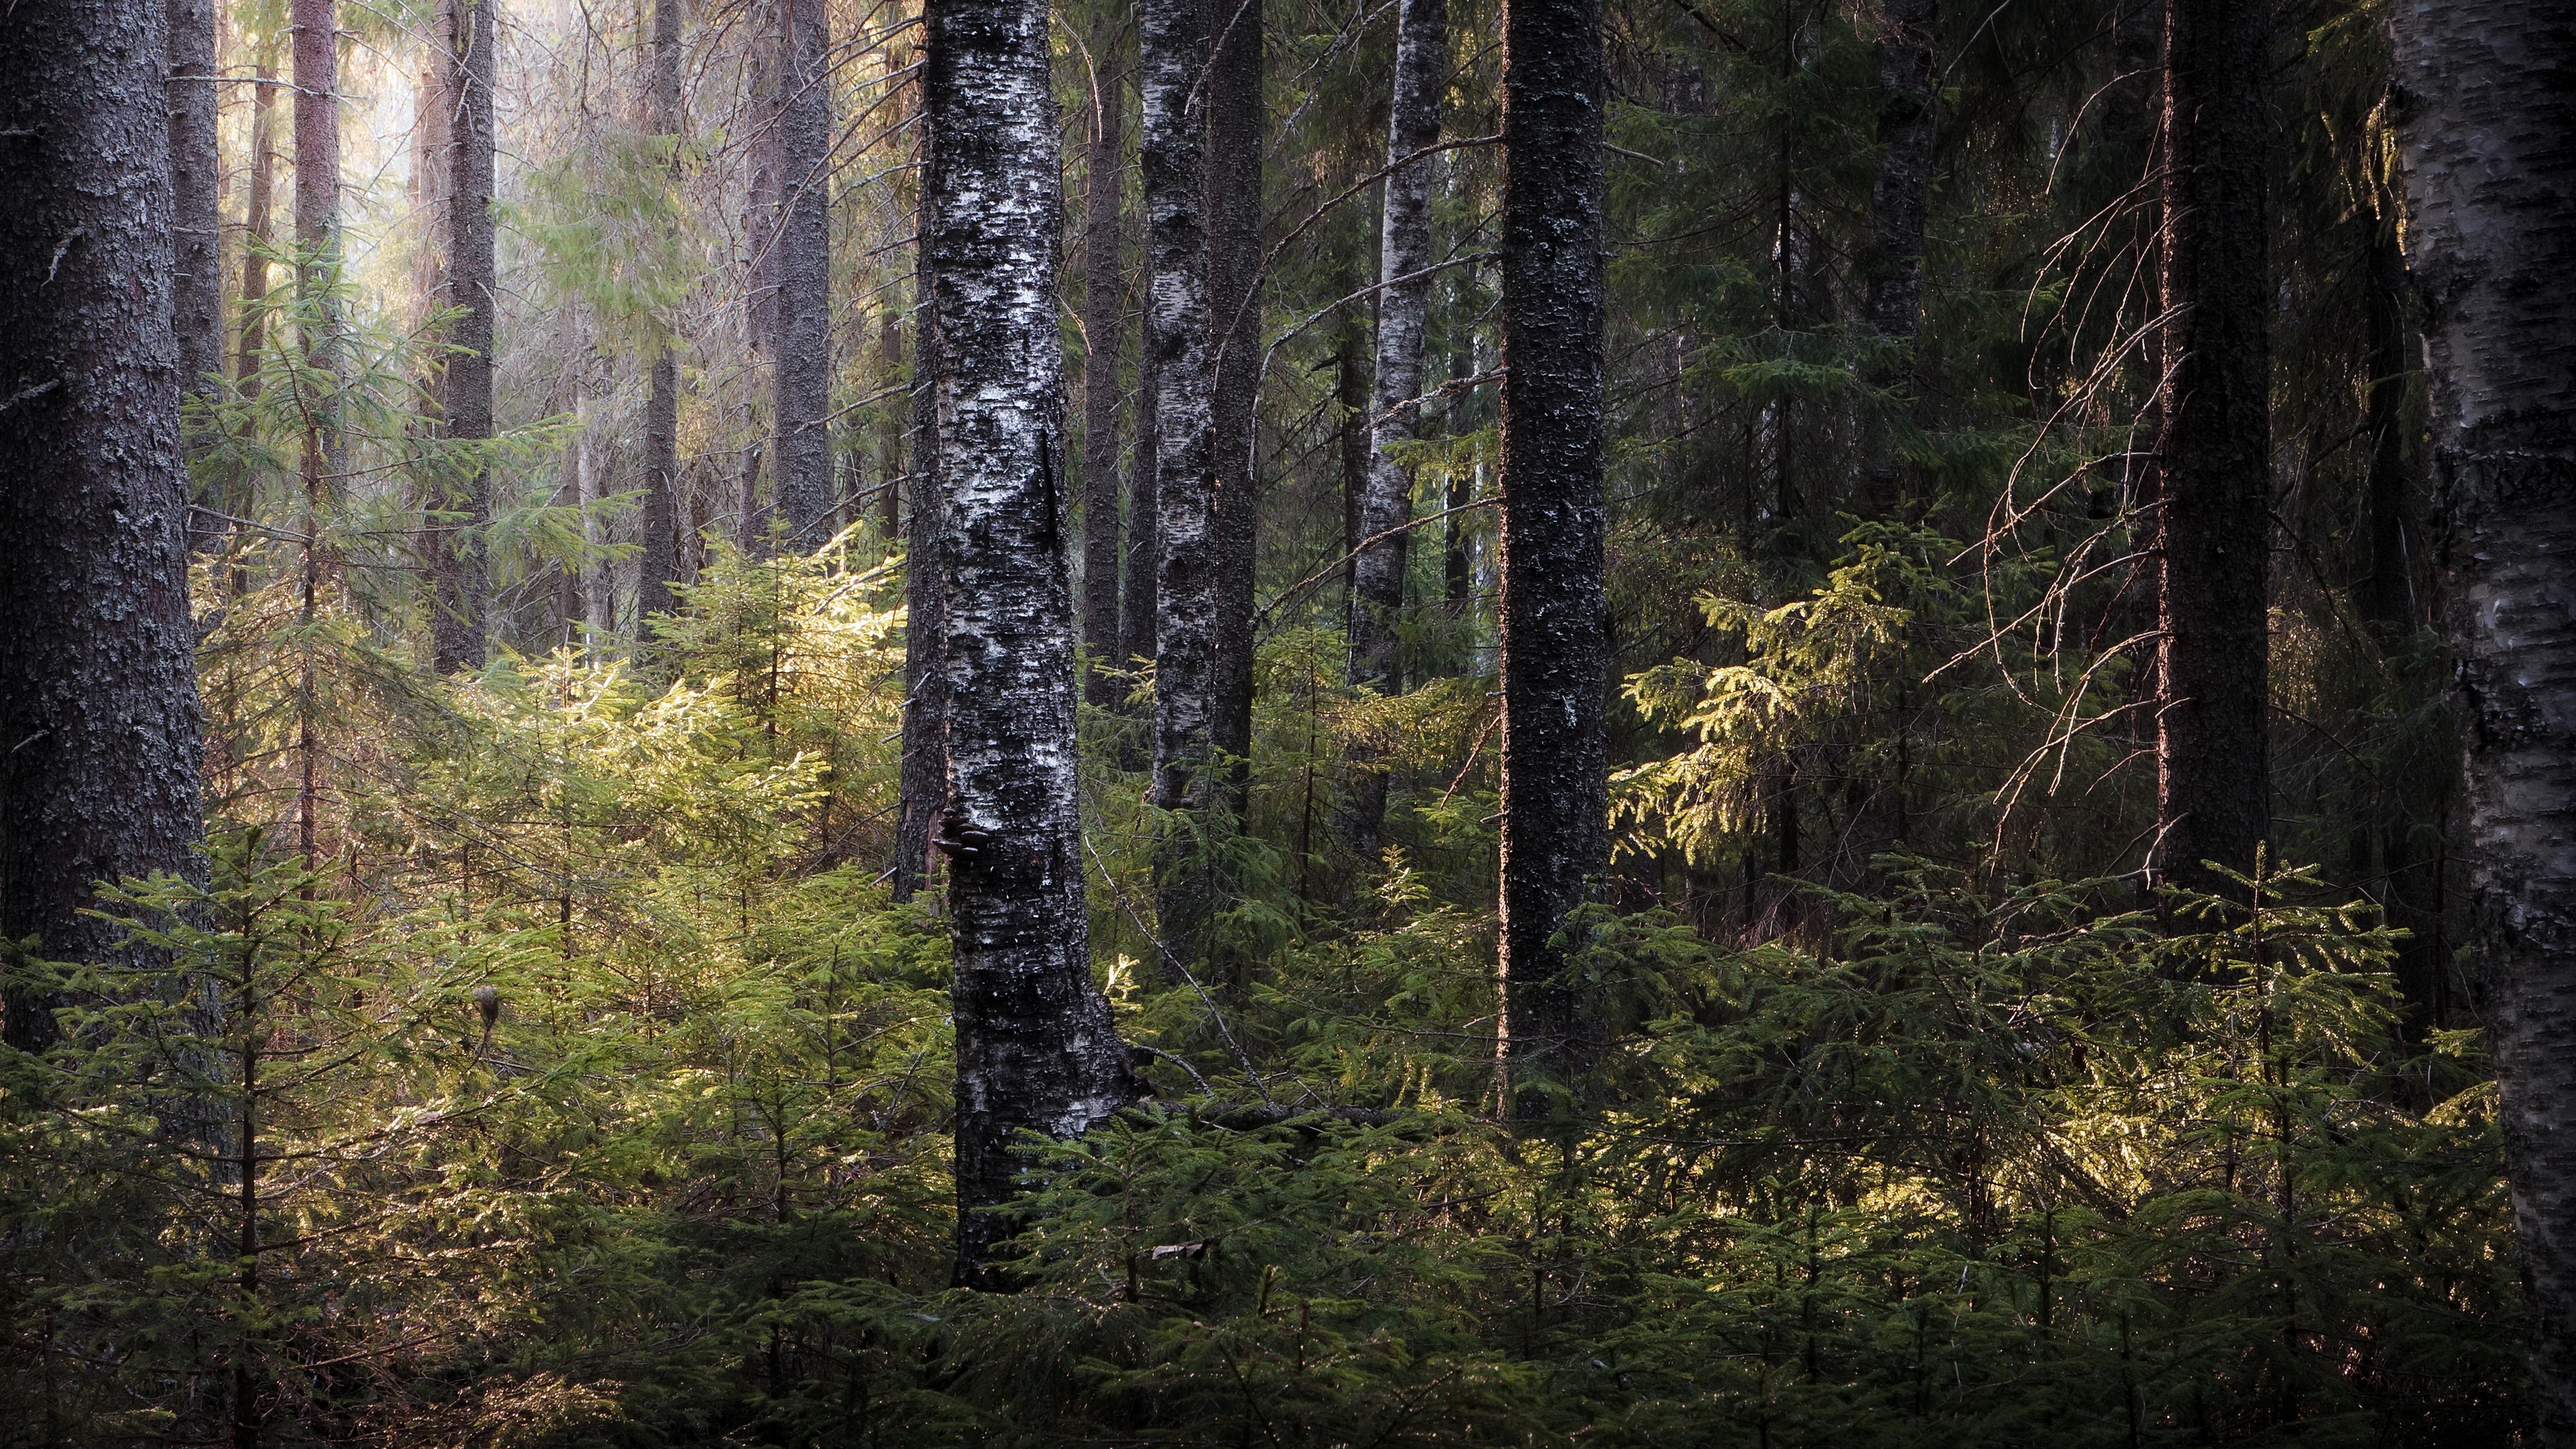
x: 1287, y: 723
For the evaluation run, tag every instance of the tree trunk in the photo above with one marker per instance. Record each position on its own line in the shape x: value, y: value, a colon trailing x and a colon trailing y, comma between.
x: 1403, y: 308
x: 98, y: 693
x: 1036, y: 1047
x: 2214, y: 451
x: 1173, y: 145
x: 660, y: 564
x: 802, y: 454
x: 1136, y: 633
x: 463, y: 572
x: 889, y: 447
x: 1236, y: 137
x: 1104, y: 311
x: 924, y: 782
x: 258, y: 232
x: 1555, y: 837
x: 2483, y: 122
x: 196, y: 188
x: 1900, y: 201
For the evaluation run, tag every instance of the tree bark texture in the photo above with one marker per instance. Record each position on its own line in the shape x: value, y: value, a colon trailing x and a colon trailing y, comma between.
x: 1403, y: 310
x: 1236, y: 142
x: 1036, y: 1048
x: 2214, y: 452
x: 1104, y: 312
x: 923, y: 785
x: 317, y: 128
x: 659, y: 566
x: 470, y: 32
x: 1901, y: 192
x: 258, y: 230
x: 196, y: 188
x: 98, y: 695
x: 2484, y: 118
x: 1555, y: 836
x: 802, y: 263
x: 1136, y: 632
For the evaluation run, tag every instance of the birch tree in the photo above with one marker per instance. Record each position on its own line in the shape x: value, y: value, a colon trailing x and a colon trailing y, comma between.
x: 2484, y: 118
x: 1036, y: 1048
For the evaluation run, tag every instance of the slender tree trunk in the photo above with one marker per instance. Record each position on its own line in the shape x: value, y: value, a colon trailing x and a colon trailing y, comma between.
x: 1136, y: 634
x: 258, y: 232
x: 1900, y: 202
x: 99, y: 733
x: 803, y: 375
x: 2484, y: 118
x: 890, y: 463
x: 1173, y: 145
x: 924, y: 783
x: 1035, y: 1044
x: 1555, y: 845
x: 1104, y: 313
x: 2215, y: 450
x: 660, y: 564
x: 1403, y: 310
x: 196, y: 189
x: 317, y: 243
x: 463, y: 570
x: 1236, y: 137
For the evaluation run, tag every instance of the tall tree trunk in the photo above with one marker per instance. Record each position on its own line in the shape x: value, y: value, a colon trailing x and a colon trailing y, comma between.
x: 1036, y: 1048
x: 196, y: 188
x: 1173, y: 145
x: 317, y: 244
x: 2215, y: 450
x: 98, y: 693
x: 2484, y: 118
x: 1104, y: 312
x: 1403, y: 309
x: 889, y: 446
x: 1900, y: 202
x: 463, y: 570
x: 258, y: 233
x: 802, y: 402
x: 1555, y: 845
x: 1236, y: 137
x: 924, y: 782
x: 659, y: 565
x: 1136, y: 633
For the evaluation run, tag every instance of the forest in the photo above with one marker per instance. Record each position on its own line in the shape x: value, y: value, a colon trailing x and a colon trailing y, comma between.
x: 1760, y: 724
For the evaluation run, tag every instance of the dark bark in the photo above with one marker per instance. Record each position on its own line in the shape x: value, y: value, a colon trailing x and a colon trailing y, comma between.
x: 1136, y: 634
x: 1900, y: 203
x: 2484, y: 117
x: 1036, y: 1048
x: 1555, y: 836
x: 1173, y: 145
x: 889, y: 446
x: 1236, y: 137
x: 659, y: 564
x: 258, y: 231
x: 1104, y: 312
x: 460, y: 628
x: 924, y: 782
x: 196, y: 186
x: 98, y: 698
x: 802, y: 454
x: 1403, y: 312
x: 317, y: 135
x: 2213, y: 455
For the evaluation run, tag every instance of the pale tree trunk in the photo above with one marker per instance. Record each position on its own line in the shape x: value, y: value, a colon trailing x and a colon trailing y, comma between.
x: 924, y: 781
x: 1403, y: 309
x: 2214, y: 452
x: 2484, y: 117
x: 1236, y: 139
x: 470, y: 31
x: 598, y: 576
x: 315, y: 24
x: 1036, y: 1048
x: 802, y: 454
x: 1104, y: 311
x: 1555, y: 845
x: 196, y: 188
x: 659, y: 564
x: 98, y: 697
x: 1173, y: 146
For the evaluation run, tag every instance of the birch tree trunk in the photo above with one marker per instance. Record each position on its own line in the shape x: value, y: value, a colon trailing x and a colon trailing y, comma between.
x: 2484, y: 119
x: 1173, y: 143
x: 459, y: 636
x: 99, y: 732
x: 196, y: 189
x: 1403, y: 307
x: 1104, y: 311
x: 659, y: 565
x: 2214, y: 453
x: 1555, y: 837
x: 803, y: 375
x: 1036, y: 1048
x: 924, y: 782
